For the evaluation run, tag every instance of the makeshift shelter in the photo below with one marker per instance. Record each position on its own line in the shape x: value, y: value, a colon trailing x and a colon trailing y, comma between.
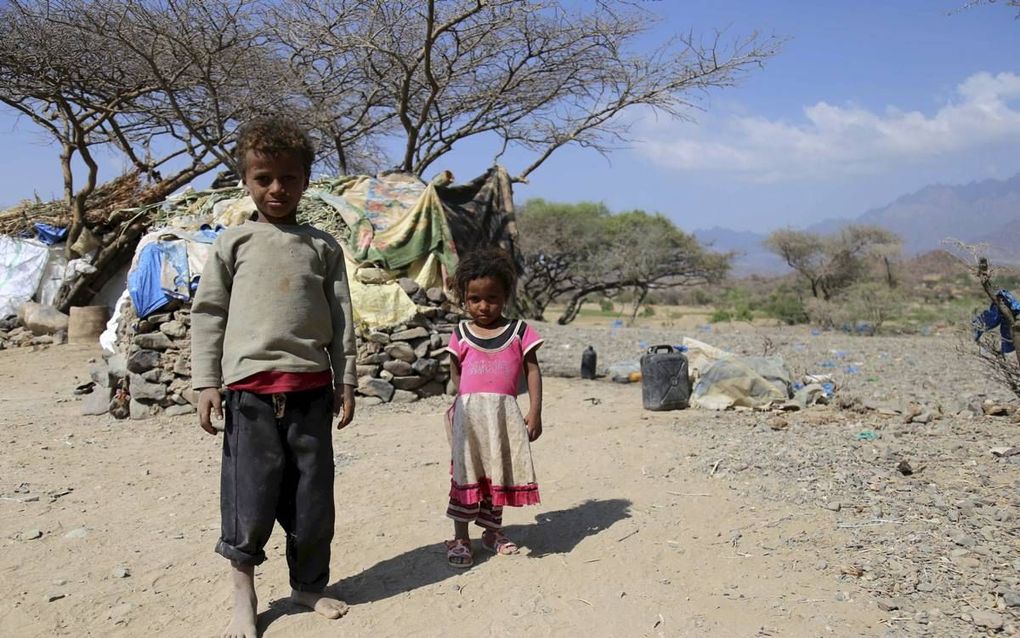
x: 400, y: 236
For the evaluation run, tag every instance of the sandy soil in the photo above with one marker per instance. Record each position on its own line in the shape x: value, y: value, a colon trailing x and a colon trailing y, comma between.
x: 635, y: 536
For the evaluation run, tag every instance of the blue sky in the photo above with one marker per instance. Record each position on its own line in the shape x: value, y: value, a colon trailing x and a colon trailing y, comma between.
x: 867, y: 101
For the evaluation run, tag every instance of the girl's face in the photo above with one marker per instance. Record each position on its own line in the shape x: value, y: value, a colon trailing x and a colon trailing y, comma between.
x: 484, y: 299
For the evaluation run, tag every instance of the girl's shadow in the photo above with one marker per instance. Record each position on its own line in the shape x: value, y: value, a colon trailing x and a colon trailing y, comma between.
x: 555, y: 532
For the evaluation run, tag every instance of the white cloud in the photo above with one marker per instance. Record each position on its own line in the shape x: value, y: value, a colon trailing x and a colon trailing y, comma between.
x: 842, y: 139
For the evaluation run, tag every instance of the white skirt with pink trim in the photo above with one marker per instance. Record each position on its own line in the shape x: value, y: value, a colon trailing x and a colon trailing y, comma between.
x: 491, y: 452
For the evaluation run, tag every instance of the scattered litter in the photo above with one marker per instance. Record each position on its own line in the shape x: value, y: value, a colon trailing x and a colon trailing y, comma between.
x: 1006, y: 451
x: 867, y: 435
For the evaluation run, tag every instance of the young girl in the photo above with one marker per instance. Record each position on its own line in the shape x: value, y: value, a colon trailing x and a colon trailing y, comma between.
x: 489, y: 438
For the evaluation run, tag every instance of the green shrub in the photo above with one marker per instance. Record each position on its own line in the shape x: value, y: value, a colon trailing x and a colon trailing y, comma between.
x: 786, y: 306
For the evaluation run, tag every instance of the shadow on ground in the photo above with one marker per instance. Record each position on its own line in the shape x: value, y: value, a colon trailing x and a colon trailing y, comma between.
x: 555, y: 532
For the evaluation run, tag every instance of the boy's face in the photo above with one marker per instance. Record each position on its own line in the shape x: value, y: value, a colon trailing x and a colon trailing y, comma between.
x: 275, y: 183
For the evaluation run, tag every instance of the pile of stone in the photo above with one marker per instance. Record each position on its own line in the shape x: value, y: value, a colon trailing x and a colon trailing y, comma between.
x: 408, y: 362
x: 15, y: 333
x: 151, y: 371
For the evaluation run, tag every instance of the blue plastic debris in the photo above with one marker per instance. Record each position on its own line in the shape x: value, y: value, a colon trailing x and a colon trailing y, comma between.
x: 49, y: 234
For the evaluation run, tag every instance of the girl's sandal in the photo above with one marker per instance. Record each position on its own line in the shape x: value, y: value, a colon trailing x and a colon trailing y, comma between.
x: 458, y: 553
x: 498, y: 543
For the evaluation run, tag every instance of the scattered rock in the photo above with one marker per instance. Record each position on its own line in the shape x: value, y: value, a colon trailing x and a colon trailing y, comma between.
x: 376, y: 388
x: 988, y: 619
x: 97, y: 402
x: 405, y: 396
x: 1011, y: 598
x: 140, y: 411
x: 120, y: 571
x: 179, y: 410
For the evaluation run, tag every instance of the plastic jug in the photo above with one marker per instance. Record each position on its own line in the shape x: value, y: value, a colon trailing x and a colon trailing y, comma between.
x: 589, y: 361
x: 664, y: 381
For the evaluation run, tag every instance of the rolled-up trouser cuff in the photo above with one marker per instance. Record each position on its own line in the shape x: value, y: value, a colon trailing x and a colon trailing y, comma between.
x: 237, y: 556
x: 314, y: 589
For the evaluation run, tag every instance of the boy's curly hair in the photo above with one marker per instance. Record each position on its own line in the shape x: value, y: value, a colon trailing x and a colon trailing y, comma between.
x: 274, y: 135
x: 484, y: 262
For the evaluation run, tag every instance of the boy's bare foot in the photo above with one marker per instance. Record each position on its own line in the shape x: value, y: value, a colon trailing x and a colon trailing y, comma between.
x: 321, y: 603
x: 242, y: 625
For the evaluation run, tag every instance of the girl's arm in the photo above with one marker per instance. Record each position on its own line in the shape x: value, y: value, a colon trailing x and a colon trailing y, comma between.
x: 455, y: 380
x: 534, y: 376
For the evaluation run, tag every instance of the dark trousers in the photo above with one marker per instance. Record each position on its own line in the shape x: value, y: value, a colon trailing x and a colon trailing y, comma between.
x: 278, y: 466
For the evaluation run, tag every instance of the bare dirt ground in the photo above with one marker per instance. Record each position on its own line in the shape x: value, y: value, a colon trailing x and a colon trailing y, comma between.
x: 686, y: 523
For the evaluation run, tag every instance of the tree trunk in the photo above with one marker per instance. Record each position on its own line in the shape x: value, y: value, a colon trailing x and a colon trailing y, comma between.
x: 527, y: 307
x: 637, y: 304
x: 573, y: 307
x: 890, y: 279
x: 77, y: 222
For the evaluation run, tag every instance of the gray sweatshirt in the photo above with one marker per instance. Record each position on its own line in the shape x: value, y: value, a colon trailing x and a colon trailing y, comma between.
x: 272, y: 298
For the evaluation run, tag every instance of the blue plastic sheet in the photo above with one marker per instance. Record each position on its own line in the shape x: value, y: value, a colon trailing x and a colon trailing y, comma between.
x: 49, y: 234
x: 992, y: 318
x: 161, y: 276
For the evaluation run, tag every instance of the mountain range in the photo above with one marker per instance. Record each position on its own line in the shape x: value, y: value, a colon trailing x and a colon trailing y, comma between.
x: 984, y: 212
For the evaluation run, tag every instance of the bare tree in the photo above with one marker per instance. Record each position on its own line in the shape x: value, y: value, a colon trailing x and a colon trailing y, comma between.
x: 833, y: 263
x: 342, y: 103
x: 69, y: 83
x: 576, y: 251
x: 162, y: 82
x: 532, y: 74
x: 989, y: 351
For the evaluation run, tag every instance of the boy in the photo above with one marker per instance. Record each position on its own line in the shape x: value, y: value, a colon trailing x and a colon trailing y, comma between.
x: 272, y: 321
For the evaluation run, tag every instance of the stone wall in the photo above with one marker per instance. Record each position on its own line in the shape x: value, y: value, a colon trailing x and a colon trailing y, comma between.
x: 151, y: 372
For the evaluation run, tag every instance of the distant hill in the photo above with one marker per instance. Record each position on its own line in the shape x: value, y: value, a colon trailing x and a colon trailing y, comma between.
x: 984, y: 212
x: 980, y: 212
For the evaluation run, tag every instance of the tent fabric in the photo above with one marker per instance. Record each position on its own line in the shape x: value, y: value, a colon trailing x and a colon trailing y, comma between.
x: 481, y: 212
x: 402, y: 238
x: 380, y: 305
x: 22, y: 263
x: 160, y: 276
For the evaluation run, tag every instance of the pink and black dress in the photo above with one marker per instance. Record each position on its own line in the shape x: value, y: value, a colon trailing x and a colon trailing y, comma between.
x: 492, y: 464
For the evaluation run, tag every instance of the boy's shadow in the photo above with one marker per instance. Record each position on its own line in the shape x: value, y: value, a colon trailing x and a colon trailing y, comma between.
x: 553, y: 533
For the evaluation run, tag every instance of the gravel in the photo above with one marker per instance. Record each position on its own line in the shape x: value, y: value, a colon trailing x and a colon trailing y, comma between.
x: 937, y: 548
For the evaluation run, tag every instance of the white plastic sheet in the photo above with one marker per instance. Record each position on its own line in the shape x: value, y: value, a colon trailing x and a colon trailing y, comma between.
x: 52, y: 275
x: 22, y: 262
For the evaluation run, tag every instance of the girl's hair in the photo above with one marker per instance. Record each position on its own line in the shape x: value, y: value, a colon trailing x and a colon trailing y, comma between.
x: 484, y: 262
x: 274, y: 135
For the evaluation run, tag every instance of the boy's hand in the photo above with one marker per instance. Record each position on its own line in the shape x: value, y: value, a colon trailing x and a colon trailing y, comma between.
x: 343, y: 401
x: 209, y: 401
x: 534, y: 421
